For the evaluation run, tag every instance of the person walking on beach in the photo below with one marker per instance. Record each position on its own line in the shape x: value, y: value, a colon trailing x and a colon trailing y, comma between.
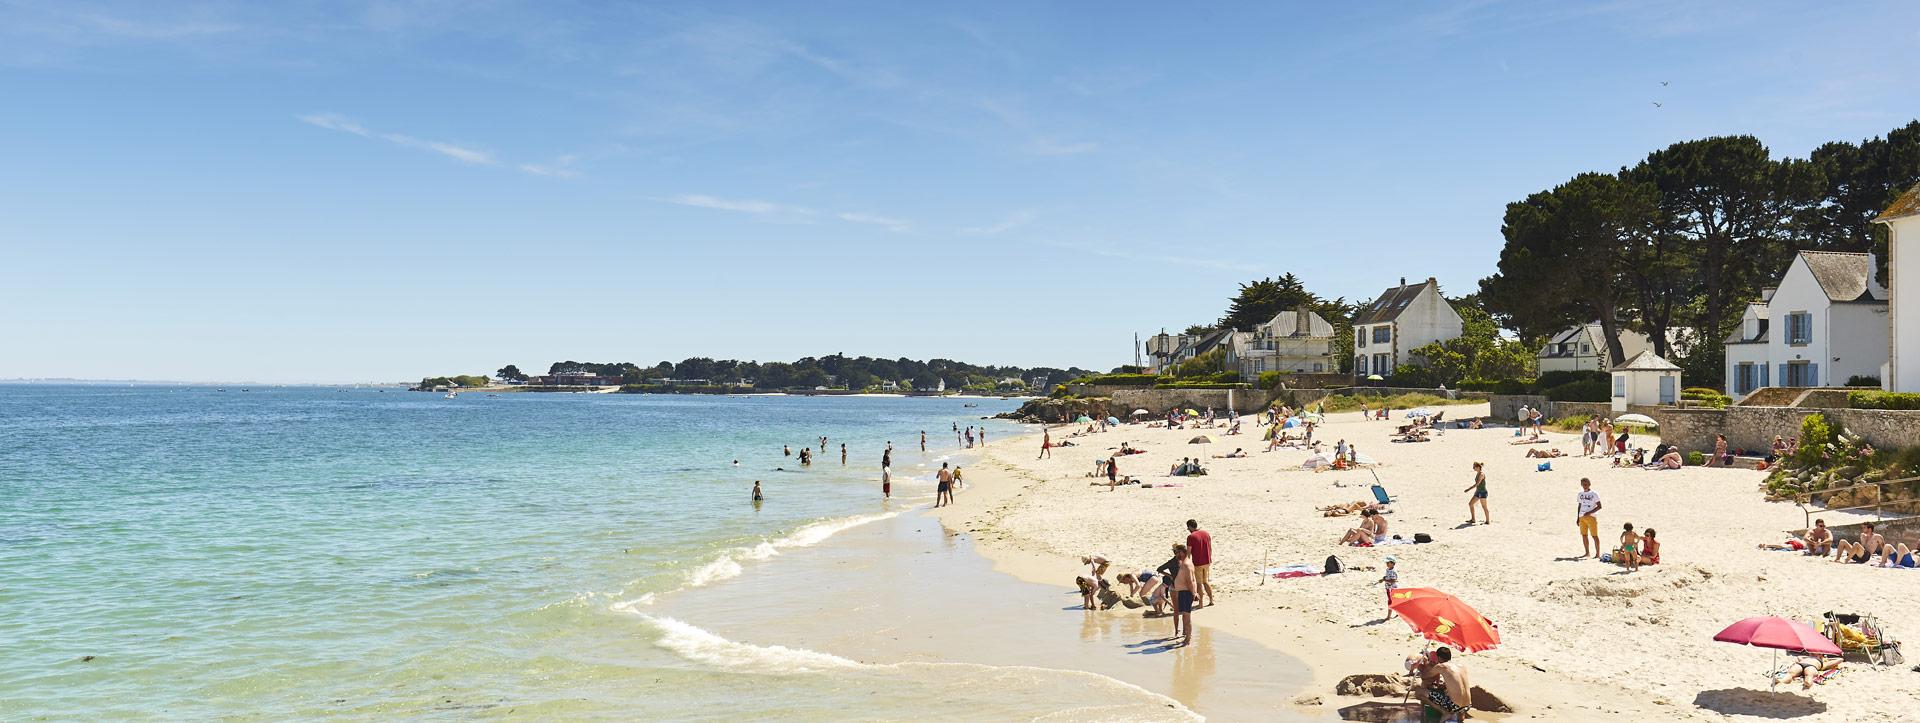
x: 1183, y: 587
x: 983, y: 435
x: 1046, y: 444
x: 1479, y: 490
x: 1587, y: 505
x: 944, y: 493
x: 1200, y: 549
x: 1113, y: 471
x: 1391, y: 579
x: 886, y: 471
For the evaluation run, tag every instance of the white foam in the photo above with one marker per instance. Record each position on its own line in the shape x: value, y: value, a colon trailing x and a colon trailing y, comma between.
x: 698, y: 645
x: 722, y: 568
x: 631, y: 606
x: 727, y: 565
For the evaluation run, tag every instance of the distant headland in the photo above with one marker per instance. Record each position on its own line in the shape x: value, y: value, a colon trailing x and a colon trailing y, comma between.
x: 837, y: 374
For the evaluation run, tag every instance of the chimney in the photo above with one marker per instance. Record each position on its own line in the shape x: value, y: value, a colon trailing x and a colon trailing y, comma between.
x: 1300, y: 325
x: 1434, y: 281
x: 1403, y: 281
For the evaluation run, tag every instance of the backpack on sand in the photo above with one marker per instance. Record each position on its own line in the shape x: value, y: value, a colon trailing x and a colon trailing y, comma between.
x: 1333, y: 566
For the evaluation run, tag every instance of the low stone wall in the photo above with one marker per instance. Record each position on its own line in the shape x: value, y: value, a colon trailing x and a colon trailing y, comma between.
x: 1561, y: 410
x: 1755, y: 427
x: 1507, y: 406
x: 1159, y: 401
x: 1305, y: 397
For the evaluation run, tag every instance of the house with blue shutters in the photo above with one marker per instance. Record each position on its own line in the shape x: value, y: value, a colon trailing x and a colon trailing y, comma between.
x: 1825, y: 324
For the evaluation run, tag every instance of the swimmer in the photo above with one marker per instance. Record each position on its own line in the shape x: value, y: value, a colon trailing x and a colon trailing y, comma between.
x: 756, y: 491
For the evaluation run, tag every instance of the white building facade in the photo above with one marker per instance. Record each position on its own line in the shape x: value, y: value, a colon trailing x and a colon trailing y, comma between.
x: 1296, y: 340
x: 1902, y: 370
x: 1402, y: 319
x: 1645, y: 380
x: 1584, y: 348
x: 1826, y: 324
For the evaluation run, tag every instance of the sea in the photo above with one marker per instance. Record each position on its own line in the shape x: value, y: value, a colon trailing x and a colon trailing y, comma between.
x: 271, y: 553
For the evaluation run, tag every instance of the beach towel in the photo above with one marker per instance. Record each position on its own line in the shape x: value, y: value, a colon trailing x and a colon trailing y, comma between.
x: 1289, y: 572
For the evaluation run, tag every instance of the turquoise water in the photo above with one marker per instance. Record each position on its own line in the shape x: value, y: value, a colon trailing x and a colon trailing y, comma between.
x: 300, y: 552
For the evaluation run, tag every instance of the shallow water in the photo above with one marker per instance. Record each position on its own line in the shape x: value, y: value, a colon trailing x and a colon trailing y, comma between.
x: 305, y: 552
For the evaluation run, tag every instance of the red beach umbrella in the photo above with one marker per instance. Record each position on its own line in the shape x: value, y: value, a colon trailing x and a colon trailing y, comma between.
x: 1444, y: 619
x: 1779, y: 634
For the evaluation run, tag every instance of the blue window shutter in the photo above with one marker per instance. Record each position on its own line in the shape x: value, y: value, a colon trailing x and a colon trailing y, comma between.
x: 1783, y: 374
x: 1763, y: 375
x: 1813, y: 375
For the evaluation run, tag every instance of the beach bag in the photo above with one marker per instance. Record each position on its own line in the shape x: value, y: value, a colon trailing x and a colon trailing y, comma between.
x: 1333, y: 566
x: 1421, y: 538
x: 1544, y: 467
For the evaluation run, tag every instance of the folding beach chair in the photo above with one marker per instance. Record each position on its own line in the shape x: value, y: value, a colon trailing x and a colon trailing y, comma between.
x: 1379, y: 491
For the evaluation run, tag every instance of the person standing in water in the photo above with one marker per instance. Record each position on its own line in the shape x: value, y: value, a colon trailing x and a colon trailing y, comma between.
x: 843, y: 454
x: 983, y: 435
x: 944, y: 494
x: 756, y: 491
x: 923, y: 440
x: 886, y: 472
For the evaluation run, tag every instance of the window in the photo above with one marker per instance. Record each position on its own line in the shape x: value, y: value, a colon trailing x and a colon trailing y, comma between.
x: 1360, y: 364
x: 1619, y: 385
x: 1745, y: 378
x: 1382, y: 334
x: 1799, y: 328
x: 1585, y: 348
x: 1360, y: 338
x: 1382, y: 364
x: 1318, y: 367
x: 1801, y: 374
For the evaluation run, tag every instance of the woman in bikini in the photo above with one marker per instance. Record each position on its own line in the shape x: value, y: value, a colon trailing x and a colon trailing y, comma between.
x: 1479, y: 490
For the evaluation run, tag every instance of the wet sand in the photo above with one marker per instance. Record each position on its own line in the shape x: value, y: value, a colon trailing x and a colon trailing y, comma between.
x: 907, y: 590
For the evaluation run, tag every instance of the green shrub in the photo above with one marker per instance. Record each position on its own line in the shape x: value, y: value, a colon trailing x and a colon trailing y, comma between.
x: 1122, y: 380
x: 1496, y: 386
x: 1269, y: 380
x: 1815, y: 434
x: 1192, y: 384
x: 1695, y: 458
x: 1697, y: 391
x: 1707, y: 397
x: 1581, y: 390
x: 1549, y: 380
x: 1572, y: 423
x: 1859, y: 380
x: 1883, y: 400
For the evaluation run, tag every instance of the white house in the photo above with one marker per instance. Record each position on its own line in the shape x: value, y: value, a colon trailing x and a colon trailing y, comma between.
x: 1644, y: 380
x: 1584, y: 348
x: 1903, y: 311
x: 1402, y: 319
x: 1296, y: 340
x: 1827, y: 324
x: 1747, y: 355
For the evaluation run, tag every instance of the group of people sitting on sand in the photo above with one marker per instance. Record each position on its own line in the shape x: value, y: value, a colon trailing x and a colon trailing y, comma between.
x: 1372, y: 530
x: 1871, y: 547
x: 1187, y: 468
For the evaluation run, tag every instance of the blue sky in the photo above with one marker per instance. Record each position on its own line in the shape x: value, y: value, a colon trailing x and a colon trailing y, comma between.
x: 327, y: 191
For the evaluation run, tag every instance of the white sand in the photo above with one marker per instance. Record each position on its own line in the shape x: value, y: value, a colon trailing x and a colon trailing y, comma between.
x: 1581, y: 640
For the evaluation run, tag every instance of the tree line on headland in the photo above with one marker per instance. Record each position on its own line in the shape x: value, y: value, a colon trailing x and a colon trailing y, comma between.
x: 1673, y: 247
x: 834, y: 371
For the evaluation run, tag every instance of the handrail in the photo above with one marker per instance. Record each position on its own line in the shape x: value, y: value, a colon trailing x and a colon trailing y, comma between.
x: 1880, y: 499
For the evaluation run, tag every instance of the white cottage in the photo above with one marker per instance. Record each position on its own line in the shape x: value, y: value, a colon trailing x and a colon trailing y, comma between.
x: 1903, y: 310
x: 1747, y: 355
x: 1645, y: 380
x: 1827, y: 325
x: 1402, y: 319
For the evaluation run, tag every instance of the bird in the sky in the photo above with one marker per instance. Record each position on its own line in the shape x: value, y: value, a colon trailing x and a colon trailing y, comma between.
x: 1657, y: 104
x: 1663, y: 82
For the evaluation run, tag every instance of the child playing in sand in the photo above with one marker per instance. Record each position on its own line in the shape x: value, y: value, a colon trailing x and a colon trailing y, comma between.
x: 1391, y: 578
x: 1087, y: 591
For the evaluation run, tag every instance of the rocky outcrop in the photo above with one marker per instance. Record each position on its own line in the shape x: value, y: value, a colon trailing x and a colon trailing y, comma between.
x: 1056, y: 411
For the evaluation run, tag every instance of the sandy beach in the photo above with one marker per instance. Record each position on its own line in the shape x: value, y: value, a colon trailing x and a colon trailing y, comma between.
x: 1582, y: 639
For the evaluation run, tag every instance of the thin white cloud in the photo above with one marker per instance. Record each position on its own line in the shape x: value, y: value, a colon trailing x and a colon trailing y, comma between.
x: 343, y: 124
x: 1050, y: 147
x: 889, y: 223
x: 758, y: 208
x: 783, y: 211
x: 1012, y: 221
x: 559, y: 168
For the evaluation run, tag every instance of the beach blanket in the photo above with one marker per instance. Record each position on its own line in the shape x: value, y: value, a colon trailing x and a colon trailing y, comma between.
x: 1289, y: 572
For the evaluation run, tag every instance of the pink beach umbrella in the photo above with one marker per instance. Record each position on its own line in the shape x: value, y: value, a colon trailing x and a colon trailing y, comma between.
x: 1779, y: 634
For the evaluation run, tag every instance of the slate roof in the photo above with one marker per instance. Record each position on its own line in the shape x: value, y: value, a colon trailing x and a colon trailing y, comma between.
x: 1908, y: 204
x: 1646, y: 361
x: 1390, y: 303
x: 1844, y: 276
x: 1734, y: 338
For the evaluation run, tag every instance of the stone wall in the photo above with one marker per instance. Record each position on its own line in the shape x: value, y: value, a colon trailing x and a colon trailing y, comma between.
x: 1159, y: 401
x: 1559, y: 410
x: 1506, y: 407
x: 1304, y: 397
x: 1755, y: 427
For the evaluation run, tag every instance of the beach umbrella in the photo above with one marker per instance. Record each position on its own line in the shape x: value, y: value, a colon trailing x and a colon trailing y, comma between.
x: 1191, y: 412
x: 1375, y: 378
x: 1640, y: 419
x: 1084, y: 419
x: 1141, y: 413
x: 1779, y: 634
x: 1444, y: 619
x: 1290, y: 423
x: 1313, y: 417
x: 1113, y: 420
x: 1202, y: 439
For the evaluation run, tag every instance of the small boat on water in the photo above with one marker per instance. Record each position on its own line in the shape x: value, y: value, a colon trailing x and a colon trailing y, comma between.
x: 451, y: 394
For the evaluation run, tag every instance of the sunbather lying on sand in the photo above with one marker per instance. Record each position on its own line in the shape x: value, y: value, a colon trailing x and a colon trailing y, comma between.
x: 1806, y: 669
x: 1546, y: 453
x: 1531, y: 440
x: 1349, y: 508
x: 1235, y: 454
